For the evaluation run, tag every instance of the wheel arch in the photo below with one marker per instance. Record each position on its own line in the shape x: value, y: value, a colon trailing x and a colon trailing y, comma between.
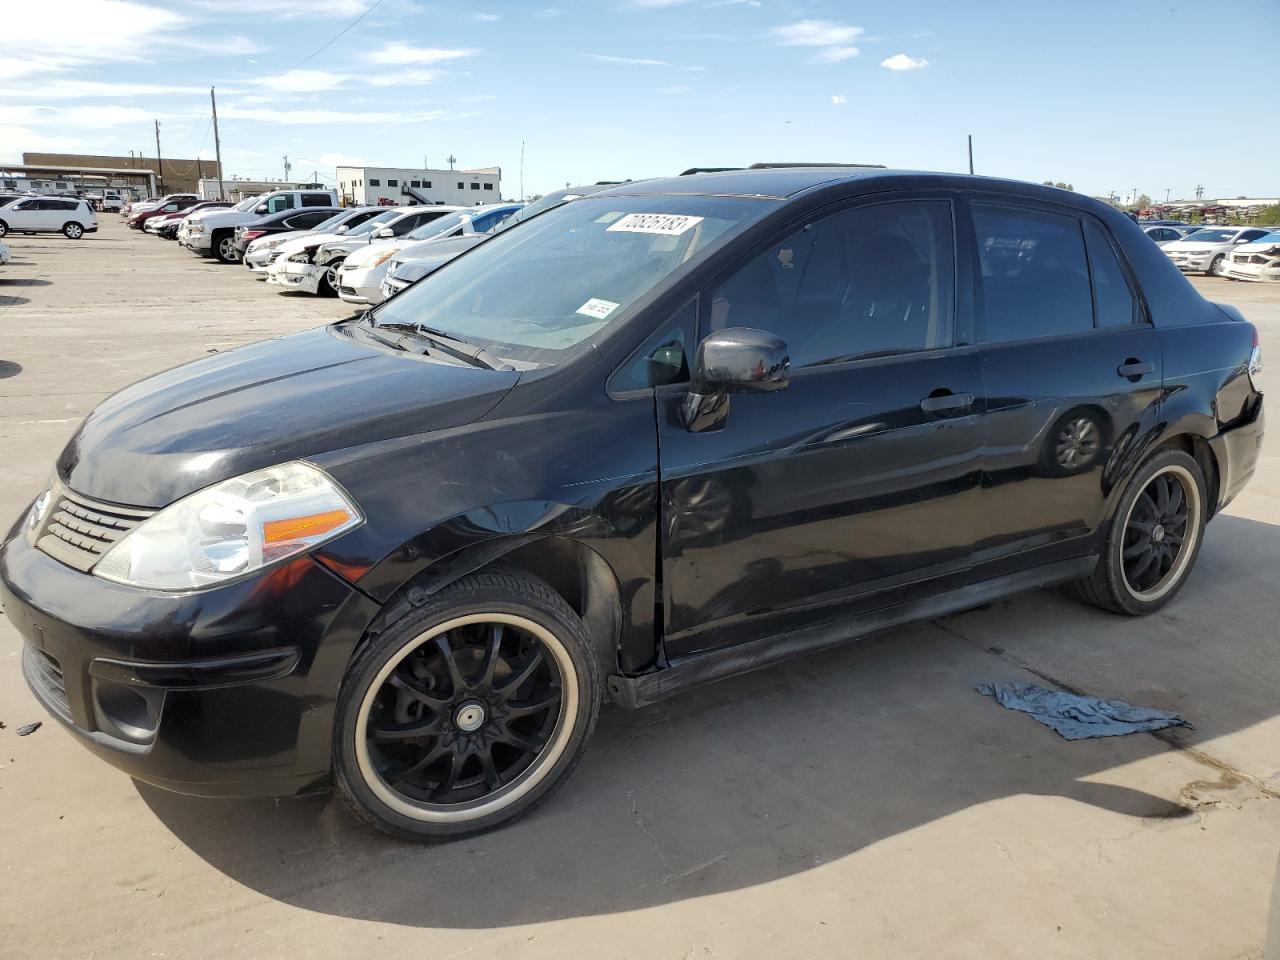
x: 580, y: 575
x: 1198, y: 448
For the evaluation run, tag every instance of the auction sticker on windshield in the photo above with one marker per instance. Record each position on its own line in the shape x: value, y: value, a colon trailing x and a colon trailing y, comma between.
x: 666, y: 224
x: 597, y: 308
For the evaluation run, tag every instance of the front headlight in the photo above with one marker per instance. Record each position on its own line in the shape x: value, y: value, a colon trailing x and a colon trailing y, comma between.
x: 232, y: 529
x: 382, y: 258
x: 196, y: 227
x: 36, y: 515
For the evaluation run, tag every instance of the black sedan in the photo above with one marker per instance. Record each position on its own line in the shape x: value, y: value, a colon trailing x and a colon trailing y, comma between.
x: 306, y: 218
x: 660, y: 435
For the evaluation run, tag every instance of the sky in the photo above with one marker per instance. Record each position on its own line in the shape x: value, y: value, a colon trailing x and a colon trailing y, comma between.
x: 1106, y: 96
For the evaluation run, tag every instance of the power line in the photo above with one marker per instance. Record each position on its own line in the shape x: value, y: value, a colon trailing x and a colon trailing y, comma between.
x: 319, y: 50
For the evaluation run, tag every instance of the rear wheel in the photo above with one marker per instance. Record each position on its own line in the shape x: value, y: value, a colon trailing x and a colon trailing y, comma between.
x: 4, y: 228
x: 224, y: 248
x: 1153, y: 539
x: 1216, y: 267
x: 73, y: 230
x: 468, y: 711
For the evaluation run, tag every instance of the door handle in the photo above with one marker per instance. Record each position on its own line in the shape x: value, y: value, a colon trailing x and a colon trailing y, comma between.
x: 1135, y: 368
x: 948, y: 401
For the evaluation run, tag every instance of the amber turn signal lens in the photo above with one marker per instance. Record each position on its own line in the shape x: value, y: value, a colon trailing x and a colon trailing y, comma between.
x: 303, y: 528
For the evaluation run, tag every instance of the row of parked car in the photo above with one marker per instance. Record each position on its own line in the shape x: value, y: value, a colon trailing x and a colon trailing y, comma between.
x: 31, y: 213
x: 303, y: 241
x: 1237, y: 253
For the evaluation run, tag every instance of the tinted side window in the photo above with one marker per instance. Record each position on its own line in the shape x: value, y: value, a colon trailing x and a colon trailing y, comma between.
x: 316, y: 200
x: 664, y: 357
x: 282, y: 202
x: 486, y: 222
x: 1114, y: 305
x: 1035, y: 279
x: 870, y: 280
x: 305, y: 221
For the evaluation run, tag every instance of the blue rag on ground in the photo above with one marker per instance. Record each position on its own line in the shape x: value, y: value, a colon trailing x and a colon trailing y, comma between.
x: 1076, y: 717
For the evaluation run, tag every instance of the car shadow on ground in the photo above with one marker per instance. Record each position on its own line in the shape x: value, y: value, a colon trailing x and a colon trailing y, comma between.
x: 13, y: 301
x: 22, y: 281
x: 767, y: 775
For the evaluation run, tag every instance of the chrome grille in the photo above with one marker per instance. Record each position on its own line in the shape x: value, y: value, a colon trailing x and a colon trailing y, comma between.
x: 45, y: 671
x: 78, y: 531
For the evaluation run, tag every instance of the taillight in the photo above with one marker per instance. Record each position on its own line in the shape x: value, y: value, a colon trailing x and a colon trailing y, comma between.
x: 1255, y: 362
x: 253, y: 234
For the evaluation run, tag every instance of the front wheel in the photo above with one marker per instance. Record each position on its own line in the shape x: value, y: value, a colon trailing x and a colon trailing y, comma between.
x: 224, y: 248
x: 1153, y: 538
x: 329, y: 279
x: 73, y: 230
x: 4, y: 228
x: 468, y: 711
x: 1216, y: 267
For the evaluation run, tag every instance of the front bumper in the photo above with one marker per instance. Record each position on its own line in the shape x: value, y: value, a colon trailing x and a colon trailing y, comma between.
x: 391, y: 286
x: 1191, y: 264
x: 292, y: 275
x: 1256, y: 272
x: 361, y: 284
x: 224, y: 692
x: 197, y: 242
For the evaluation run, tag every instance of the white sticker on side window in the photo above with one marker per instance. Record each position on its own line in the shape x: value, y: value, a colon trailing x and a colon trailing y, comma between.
x: 666, y: 224
x: 597, y: 308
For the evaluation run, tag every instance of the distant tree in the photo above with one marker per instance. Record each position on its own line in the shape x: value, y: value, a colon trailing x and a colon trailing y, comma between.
x: 1142, y: 203
x: 1046, y: 183
x: 1268, y: 216
x: 1058, y: 183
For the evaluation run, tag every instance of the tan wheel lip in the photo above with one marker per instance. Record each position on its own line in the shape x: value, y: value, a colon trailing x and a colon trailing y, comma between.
x: 1171, y: 579
x: 512, y: 792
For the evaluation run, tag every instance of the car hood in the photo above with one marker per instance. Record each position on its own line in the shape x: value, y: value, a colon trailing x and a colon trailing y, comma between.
x: 1184, y: 245
x: 371, y: 251
x: 1257, y: 246
x: 287, y: 399
x: 444, y: 249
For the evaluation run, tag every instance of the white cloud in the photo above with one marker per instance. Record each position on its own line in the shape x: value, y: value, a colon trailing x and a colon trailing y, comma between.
x: 397, y: 53
x: 88, y: 89
x: 320, y: 117
x: 286, y: 9
x: 632, y: 61
x: 816, y: 33
x: 96, y: 117
x: 15, y: 139
x: 672, y: 91
x: 656, y: 4
x: 546, y: 13
x: 900, y: 61
x: 833, y: 54
x: 302, y: 81
x: 486, y: 17
x: 838, y: 98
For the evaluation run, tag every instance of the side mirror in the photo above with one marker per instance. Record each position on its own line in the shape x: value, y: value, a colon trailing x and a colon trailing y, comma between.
x: 736, y: 360
x: 262, y: 208
x: 342, y: 229
x: 383, y: 232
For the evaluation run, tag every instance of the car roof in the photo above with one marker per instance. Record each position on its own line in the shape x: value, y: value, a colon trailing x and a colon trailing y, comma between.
x: 779, y: 183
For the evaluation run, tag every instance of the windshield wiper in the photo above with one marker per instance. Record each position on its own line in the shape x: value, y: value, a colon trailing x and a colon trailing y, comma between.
x: 460, y: 349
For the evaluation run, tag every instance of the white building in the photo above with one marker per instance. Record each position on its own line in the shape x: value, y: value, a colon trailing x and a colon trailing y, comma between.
x: 406, y: 187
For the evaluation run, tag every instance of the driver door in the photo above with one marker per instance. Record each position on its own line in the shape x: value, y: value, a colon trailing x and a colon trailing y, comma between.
x: 855, y: 485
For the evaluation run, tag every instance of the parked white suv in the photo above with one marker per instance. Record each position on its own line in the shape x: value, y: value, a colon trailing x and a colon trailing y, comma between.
x: 74, y: 218
x: 212, y: 233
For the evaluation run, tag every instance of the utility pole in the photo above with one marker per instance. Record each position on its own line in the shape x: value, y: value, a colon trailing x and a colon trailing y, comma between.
x: 1167, y: 191
x: 971, y: 154
x: 287, y: 167
x: 1199, y: 191
x: 452, y: 160
x: 217, y: 142
x: 159, y: 162
x: 521, y: 171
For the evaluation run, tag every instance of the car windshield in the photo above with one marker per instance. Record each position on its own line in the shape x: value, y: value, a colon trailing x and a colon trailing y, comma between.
x: 332, y: 223
x: 1272, y: 237
x: 248, y: 203
x: 1213, y: 236
x: 373, y: 223
x: 535, y: 294
x: 437, y: 228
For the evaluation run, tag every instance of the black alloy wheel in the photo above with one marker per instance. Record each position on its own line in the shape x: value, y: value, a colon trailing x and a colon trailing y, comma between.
x: 466, y: 711
x: 1153, y: 538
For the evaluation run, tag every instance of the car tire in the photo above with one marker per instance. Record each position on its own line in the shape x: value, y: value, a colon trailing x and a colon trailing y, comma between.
x: 72, y: 230
x: 466, y: 710
x: 329, y: 279
x: 1215, y: 266
x: 224, y: 247
x: 4, y: 228
x: 1152, y: 540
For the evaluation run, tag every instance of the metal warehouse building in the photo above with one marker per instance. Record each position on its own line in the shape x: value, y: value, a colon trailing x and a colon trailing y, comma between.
x: 399, y: 186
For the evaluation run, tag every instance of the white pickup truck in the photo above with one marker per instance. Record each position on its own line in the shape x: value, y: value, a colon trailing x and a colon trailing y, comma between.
x: 211, y: 233
x: 106, y: 200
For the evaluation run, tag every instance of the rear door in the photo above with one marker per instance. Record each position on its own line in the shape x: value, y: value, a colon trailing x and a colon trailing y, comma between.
x: 858, y: 482
x: 1072, y: 372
